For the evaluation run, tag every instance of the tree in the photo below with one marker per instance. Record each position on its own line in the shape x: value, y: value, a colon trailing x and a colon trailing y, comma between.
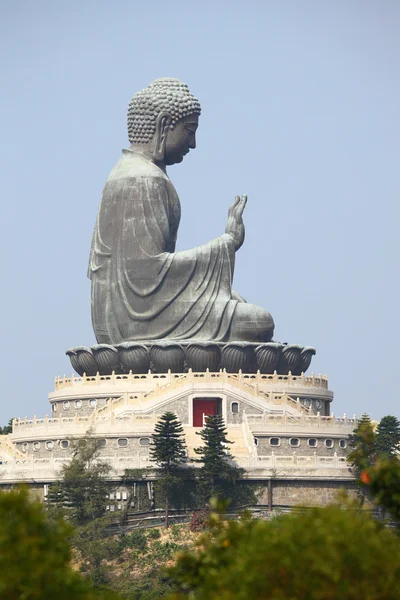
x: 35, y: 557
x: 168, y: 451
x: 383, y: 483
x: 325, y: 554
x: 387, y: 438
x: 83, y: 487
x: 218, y: 476
x: 362, y: 445
x: 7, y: 428
x: 362, y: 452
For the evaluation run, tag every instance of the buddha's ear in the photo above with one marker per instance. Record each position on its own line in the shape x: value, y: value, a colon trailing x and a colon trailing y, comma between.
x: 163, y: 122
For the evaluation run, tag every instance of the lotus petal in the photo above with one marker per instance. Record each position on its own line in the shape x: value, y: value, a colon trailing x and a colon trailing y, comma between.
x: 86, y: 360
x: 267, y: 356
x: 74, y: 361
x: 201, y: 356
x: 107, y: 359
x: 289, y: 360
x: 238, y: 356
x: 167, y: 356
x: 134, y: 357
x: 305, y: 358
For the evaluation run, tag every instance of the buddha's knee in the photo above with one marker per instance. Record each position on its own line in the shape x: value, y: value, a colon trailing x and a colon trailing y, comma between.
x: 251, y: 323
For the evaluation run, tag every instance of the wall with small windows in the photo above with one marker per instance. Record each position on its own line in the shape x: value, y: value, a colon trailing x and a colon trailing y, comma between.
x: 302, y: 445
x: 109, y: 446
x: 316, y: 405
x: 78, y: 406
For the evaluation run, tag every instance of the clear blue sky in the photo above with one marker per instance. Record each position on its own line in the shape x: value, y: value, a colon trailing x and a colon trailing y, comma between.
x: 301, y: 105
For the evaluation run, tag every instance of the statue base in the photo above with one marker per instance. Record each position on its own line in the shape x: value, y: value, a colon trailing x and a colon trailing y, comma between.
x: 199, y: 356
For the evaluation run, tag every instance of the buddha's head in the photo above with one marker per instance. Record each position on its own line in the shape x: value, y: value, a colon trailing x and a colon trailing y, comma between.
x: 163, y: 118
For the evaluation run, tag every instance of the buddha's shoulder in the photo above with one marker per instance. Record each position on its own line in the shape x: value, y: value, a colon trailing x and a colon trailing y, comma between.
x: 134, y: 165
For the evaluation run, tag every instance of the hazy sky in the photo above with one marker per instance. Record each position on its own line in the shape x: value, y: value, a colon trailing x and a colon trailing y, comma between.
x: 300, y: 110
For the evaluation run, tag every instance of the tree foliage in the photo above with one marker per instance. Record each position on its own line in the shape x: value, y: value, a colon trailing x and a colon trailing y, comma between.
x: 168, y: 451
x: 219, y: 476
x: 7, y: 428
x: 387, y: 438
x: 362, y: 445
x: 382, y: 480
x: 83, y: 488
x: 325, y: 554
x: 35, y: 555
x: 375, y: 463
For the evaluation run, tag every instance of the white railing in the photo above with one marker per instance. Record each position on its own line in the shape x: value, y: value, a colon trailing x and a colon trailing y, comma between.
x: 32, y: 468
x: 294, y: 461
x: 79, y: 425
x: 248, y: 435
x: 309, y: 421
x: 48, y: 469
x: 320, y: 381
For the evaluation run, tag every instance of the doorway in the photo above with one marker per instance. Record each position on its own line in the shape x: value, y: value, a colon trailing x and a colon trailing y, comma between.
x: 203, y: 407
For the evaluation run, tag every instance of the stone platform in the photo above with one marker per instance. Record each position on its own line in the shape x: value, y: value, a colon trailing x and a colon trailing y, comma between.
x: 164, y: 356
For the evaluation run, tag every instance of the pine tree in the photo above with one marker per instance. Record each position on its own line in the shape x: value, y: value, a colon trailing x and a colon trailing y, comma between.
x: 218, y: 476
x: 168, y: 451
x: 362, y: 452
x: 7, y: 428
x: 362, y: 444
x: 387, y: 439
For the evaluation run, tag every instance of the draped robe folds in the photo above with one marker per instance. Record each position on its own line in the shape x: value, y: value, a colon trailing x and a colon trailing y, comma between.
x: 141, y: 288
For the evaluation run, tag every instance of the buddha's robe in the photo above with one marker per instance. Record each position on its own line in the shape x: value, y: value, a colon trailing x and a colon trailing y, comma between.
x: 141, y: 288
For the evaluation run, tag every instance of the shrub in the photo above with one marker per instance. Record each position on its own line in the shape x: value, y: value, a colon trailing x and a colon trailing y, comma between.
x: 153, y: 534
x: 325, y: 554
x: 200, y: 520
x: 137, y: 539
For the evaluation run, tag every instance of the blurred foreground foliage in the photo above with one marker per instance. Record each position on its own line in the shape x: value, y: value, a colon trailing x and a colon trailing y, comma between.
x: 325, y: 554
x: 35, y: 555
x: 374, y: 457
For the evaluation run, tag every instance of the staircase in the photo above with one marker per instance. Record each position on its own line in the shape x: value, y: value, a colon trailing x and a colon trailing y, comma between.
x: 238, y: 449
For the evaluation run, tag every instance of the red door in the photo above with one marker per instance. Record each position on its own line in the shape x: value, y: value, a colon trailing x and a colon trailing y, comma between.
x: 203, y: 407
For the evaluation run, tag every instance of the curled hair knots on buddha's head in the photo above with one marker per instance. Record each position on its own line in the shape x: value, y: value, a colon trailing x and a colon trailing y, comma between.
x: 162, y: 95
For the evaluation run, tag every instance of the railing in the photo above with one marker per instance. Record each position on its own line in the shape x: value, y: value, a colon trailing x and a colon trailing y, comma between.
x: 248, y: 435
x: 309, y: 421
x: 101, y: 424
x: 32, y: 468
x: 294, y: 461
x: 163, y: 379
x: 24, y: 469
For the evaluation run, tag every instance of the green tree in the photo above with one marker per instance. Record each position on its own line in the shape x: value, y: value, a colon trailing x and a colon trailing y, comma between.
x: 387, y: 438
x: 324, y: 554
x: 362, y: 445
x: 35, y: 557
x: 7, y: 428
x: 383, y: 482
x: 168, y: 451
x: 218, y: 476
x: 81, y: 497
x: 83, y: 487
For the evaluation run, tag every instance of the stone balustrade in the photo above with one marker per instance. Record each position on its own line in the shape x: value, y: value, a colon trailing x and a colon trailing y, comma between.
x: 309, y: 422
x: 47, y: 469
x: 152, y: 379
x: 111, y: 424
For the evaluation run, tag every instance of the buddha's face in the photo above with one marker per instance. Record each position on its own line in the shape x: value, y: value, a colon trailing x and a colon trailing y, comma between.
x: 181, y: 139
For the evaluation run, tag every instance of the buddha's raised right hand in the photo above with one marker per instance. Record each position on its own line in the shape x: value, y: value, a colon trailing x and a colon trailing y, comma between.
x: 235, y: 226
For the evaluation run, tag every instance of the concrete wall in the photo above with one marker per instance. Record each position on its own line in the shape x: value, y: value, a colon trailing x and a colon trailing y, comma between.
x: 264, y: 448
x: 305, y: 493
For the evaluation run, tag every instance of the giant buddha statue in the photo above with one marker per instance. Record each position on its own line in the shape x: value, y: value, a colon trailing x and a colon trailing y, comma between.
x: 142, y: 289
